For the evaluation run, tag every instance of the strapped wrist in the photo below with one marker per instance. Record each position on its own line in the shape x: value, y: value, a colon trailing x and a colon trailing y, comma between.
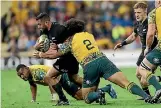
x: 123, y: 43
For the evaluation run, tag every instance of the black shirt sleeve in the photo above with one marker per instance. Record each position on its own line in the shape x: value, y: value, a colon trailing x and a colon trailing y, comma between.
x: 135, y: 28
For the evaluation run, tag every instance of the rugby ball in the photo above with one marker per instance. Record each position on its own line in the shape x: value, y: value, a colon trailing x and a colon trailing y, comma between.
x: 44, y: 38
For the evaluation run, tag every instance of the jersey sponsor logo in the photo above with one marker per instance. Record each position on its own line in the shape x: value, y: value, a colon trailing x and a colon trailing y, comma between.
x: 156, y: 60
x: 39, y: 74
x: 64, y: 70
x: 138, y: 30
x: 88, y: 82
x: 144, y: 30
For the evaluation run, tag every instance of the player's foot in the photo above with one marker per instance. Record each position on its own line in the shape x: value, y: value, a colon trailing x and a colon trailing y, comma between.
x: 148, y: 99
x: 62, y: 102
x: 156, y: 97
x: 112, y: 92
x: 102, y: 100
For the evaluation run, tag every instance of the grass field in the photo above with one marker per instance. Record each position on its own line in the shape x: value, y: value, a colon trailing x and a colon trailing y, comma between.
x: 16, y: 94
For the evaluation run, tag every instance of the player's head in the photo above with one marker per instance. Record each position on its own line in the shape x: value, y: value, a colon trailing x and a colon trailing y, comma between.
x: 75, y: 26
x: 140, y: 10
x: 43, y: 21
x: 157, y: 3
x: 23, y: 71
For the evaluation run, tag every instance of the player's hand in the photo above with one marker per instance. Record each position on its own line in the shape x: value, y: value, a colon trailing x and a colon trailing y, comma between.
x: 38, y: 45
x: 53, y: 46
x: 36, y: 54
x: 119, y: 45
x: 146, y: 51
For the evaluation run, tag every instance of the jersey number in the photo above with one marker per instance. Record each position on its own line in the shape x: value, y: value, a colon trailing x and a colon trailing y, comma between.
x: 88, y: 44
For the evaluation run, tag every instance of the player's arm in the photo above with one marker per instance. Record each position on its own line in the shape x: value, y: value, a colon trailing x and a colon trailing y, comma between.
x: 33, y: 88
x: 129, y: 40
x: 151, y: 31
x: 50, y: 54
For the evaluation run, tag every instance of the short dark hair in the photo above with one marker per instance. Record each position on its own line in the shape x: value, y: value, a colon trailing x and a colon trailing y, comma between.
x: 43, y: 16
x: 141, y: 5
x: 20, y: 66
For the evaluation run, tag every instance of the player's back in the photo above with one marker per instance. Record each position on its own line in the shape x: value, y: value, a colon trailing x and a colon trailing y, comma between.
x: 38, y: 72
x: 84, y: 47
x: 158, y: 23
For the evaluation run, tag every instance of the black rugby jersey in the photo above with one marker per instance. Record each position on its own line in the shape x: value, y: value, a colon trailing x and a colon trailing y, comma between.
x: 141, y: 28
x: 57, y: 33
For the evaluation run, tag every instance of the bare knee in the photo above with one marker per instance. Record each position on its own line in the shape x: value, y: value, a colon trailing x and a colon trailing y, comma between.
x: 143, y: 82
x: 138, y: 75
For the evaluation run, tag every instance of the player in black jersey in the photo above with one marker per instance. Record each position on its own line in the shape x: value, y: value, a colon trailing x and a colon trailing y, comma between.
x: 58, y: 33
x: 140, y: 29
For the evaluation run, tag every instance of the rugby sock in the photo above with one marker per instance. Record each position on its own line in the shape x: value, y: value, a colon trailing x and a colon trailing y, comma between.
x: 59, y: 91
x: 158, y: 78
x: 92, y: 96
x: 146, y: 89
x: 136, y: 90
x: 151, y: 79
x: 105, y: 89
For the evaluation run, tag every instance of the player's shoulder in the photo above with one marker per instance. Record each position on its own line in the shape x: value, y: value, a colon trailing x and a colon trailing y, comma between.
x: 152, y: 12
x: 38, y: 66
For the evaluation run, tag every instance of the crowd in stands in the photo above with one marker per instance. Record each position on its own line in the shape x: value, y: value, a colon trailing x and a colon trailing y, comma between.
x: 109, y: 21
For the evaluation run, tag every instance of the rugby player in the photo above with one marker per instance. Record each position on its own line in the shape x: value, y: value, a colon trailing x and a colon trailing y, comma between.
x: 140, y: 29
x: 95, y: 65
x: 67, y: 63
x: 35, y: 74
x: 153, y: 59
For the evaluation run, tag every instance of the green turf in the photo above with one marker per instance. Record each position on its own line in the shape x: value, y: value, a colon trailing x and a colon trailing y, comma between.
x: 16, y: 94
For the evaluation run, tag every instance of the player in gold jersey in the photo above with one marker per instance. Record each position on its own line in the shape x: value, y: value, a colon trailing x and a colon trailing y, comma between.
x: 35, y: 75
x: 95, y: 65
x: 153, y: 59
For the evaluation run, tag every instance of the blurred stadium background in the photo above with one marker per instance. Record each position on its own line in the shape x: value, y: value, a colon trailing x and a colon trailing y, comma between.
x: 109, y: 21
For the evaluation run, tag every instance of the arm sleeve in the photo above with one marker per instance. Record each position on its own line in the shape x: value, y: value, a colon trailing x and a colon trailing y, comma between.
x: 64, y: 47
x: 135, y: 29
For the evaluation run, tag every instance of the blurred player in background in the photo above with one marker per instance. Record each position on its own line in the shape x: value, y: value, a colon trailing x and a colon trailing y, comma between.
x: 153, y: 59
x: 140, y: 29
x: 35, y: 75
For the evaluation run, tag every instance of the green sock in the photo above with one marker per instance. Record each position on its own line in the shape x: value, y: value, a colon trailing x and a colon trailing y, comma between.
x: 105, y: 89
x: 136, y: 90
x: 146, y: 89
x: 92, y: 96
x: 153, y: 81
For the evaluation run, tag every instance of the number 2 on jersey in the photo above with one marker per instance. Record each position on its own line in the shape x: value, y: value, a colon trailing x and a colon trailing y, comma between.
x: 88, y: 44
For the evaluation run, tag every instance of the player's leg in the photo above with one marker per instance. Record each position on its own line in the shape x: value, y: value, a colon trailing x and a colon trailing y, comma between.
x: 75, y: 78
x: 91, y: 79
x: 55, y: 85
x: 71, y: 88
x: 72, y: 66
x: 138, y: 75
x: 112, y: 73
x: 152, y: 60
x: 110, y: 90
